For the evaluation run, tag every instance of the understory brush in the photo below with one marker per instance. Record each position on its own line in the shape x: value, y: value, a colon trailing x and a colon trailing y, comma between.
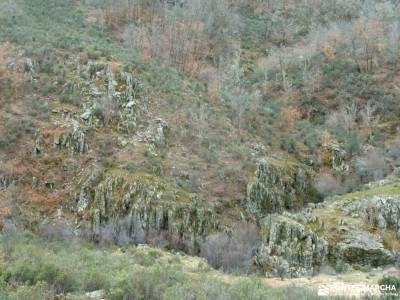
x: 32, y: 268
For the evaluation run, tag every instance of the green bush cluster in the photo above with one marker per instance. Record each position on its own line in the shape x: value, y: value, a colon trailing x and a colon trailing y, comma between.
x: 389, y: 282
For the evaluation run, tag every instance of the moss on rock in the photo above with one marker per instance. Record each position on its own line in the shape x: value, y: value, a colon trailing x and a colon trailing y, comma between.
x: 279, y: 185
x: 289, y: 248
x: 145, y: 202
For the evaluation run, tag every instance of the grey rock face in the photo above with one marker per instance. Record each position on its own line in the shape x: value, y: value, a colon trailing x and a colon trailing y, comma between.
x: 6, y: 180
x: 142, y: 203
x: 119, y: 97
x: 111, y: 82
x: 364, y: 249
x: 74, y: 141
x: 381, y: 212
x: 29, y: 69
x: 39, y: 144
x: 276, y: 188
x: 159, y: 138
x: 289, y: 249
x: 131, y: 107
x: 155, y: 134
x: 337, y: 156
x: 97, y: 295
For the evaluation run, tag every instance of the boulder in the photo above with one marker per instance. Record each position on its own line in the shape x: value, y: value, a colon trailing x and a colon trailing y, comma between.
x: 364, y: 249
x: 96, y: 295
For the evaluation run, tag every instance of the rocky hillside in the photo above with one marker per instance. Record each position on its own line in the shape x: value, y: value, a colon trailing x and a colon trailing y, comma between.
x: 262, y: 136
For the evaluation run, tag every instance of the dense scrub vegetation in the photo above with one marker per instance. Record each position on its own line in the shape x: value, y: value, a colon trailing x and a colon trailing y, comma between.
x: 41, y: 269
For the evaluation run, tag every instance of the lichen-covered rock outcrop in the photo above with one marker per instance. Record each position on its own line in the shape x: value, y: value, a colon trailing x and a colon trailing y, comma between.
x: 74, y: 141
x: 145, y: 203
x: 111, y: 97
x: 357, y: 229
x: 155, y: 134
x: 6, y: 179
x: 364, y: 249
x: 288, y: 248
x: 279, y: 186
x: 39, y: 144
x: 381, y: 212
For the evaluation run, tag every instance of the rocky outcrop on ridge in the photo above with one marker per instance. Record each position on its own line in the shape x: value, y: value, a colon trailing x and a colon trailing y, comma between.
x: 279, y: 186
x: 289, y: 249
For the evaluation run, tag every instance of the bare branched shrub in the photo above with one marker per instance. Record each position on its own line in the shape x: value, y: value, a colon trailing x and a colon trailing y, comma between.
x: 232, y: 252
x: 177, y: 42
x: 234, y: 93
x: 183, y: 34
x: 343, y: 121
x: 368, y: 115
x: 372, y: 165
x: 55, y: 230
x: 327, y: 185
x: 120, y: 232
x: 394, y: 42
x: 214, y: 248
x: 105, y: 108
x: 123, y: 231
x: 365, y: 40
x: 166, y: 240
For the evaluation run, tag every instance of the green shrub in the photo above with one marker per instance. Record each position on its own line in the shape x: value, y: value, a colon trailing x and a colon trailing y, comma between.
x: 70, y: 99
x: 208, y: 154
x: 35, y: 266
x: 130, y: 167
x: 15, y: 129
x: 37, y: 291
x: 48, y: 88
x: 154, y: 165
x: 390, y: 281
x: 70, y: 94
x: 46, y: 66
x: 37, y: 107
x: 94, y: 280
x: 144, y: 260
x: 353, y: 142
x: 341, y: 266
x: 289, y: 144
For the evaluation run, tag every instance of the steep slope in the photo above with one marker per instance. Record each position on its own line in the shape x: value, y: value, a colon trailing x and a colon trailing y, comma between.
x: 152, y: 124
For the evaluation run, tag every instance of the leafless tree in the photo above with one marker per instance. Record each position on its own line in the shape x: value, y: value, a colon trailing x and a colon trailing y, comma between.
x: 232, y: 252
x: 327, y: 184
x: 372, y: 165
